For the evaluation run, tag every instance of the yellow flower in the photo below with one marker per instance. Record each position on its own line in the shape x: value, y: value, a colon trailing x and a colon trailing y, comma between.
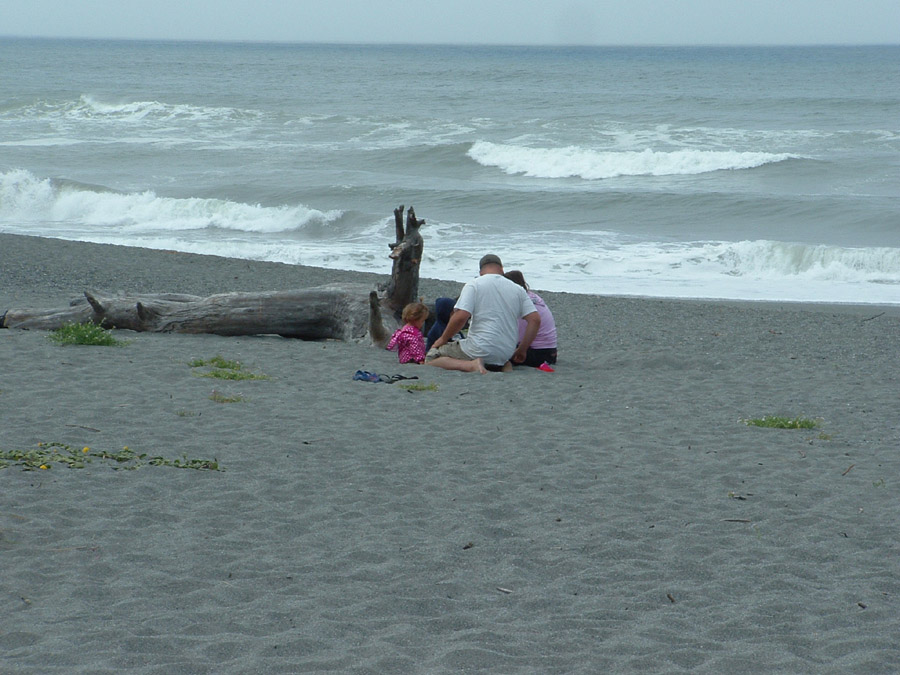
x: 125, y: 447
x: 85, y: 449
x: 44, y: 466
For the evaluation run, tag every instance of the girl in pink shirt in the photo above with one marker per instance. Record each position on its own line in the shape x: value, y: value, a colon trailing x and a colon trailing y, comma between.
x: 408, y: 341
x: 543, y: 347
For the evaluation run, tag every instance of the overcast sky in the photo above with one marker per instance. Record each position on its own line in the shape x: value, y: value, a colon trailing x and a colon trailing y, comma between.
x: 594, y: 22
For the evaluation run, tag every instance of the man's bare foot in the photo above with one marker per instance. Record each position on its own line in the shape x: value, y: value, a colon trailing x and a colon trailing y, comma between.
x: 507, y: 367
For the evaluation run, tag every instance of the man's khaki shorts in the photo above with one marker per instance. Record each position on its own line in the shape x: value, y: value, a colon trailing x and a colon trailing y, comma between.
x: 451, y: 349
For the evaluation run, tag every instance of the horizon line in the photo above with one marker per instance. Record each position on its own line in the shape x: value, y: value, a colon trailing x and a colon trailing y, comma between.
x: 239, y: 41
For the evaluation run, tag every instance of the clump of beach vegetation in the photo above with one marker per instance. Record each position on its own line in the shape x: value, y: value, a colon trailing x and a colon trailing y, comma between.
x: 782, y: 422
x: 419, y: 386
x: 85, y: 334
x: 46, y: 455
x: 219, y: 397
x: 221, y: 368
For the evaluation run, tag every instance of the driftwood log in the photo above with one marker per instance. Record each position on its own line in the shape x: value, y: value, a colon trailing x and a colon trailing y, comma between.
x: 336, y: 311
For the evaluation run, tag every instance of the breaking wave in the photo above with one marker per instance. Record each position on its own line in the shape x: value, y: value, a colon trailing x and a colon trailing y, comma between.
x: 577, y: 162
x: 27, y: 199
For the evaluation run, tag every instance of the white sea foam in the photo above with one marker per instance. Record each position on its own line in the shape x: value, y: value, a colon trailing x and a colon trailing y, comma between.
x: 609, y: 263
x: 755, y: 270
x: 599, y: 261
x: 93, y: 112
x: 47, y: 208
x: 574, y: 161
x: 90, y: 107
x: 594, y: 262
x: 40, y: 142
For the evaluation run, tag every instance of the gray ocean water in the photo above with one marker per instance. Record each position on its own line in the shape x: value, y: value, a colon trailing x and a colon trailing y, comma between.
x: 754, y: 173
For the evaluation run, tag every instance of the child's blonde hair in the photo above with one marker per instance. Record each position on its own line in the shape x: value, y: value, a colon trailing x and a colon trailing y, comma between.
x: 413, y: 312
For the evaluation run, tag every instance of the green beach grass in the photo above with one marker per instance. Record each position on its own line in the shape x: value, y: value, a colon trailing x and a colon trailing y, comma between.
x: 221, y: 368
x: 46, y: 455
x: 84, y: 334
x: 781, y: 422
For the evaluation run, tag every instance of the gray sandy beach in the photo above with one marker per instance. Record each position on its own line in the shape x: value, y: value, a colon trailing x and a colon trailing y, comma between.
x: 617, y: 515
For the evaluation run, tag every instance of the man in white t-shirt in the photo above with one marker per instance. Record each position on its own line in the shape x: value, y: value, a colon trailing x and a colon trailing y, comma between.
x: 494, y: 304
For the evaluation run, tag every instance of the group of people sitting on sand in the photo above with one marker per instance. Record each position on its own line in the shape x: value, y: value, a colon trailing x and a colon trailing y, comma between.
x: 509, y: 325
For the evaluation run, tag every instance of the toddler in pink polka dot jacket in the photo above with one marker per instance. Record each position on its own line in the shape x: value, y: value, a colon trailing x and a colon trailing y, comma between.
x: 409, y: 341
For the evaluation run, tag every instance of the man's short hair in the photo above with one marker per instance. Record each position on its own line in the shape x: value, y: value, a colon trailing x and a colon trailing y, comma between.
x: 489, y: 259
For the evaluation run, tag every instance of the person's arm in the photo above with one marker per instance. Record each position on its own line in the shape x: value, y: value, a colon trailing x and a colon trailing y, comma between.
x: 392, y: 343
x: 532, y: 325
x: 454, y: 325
